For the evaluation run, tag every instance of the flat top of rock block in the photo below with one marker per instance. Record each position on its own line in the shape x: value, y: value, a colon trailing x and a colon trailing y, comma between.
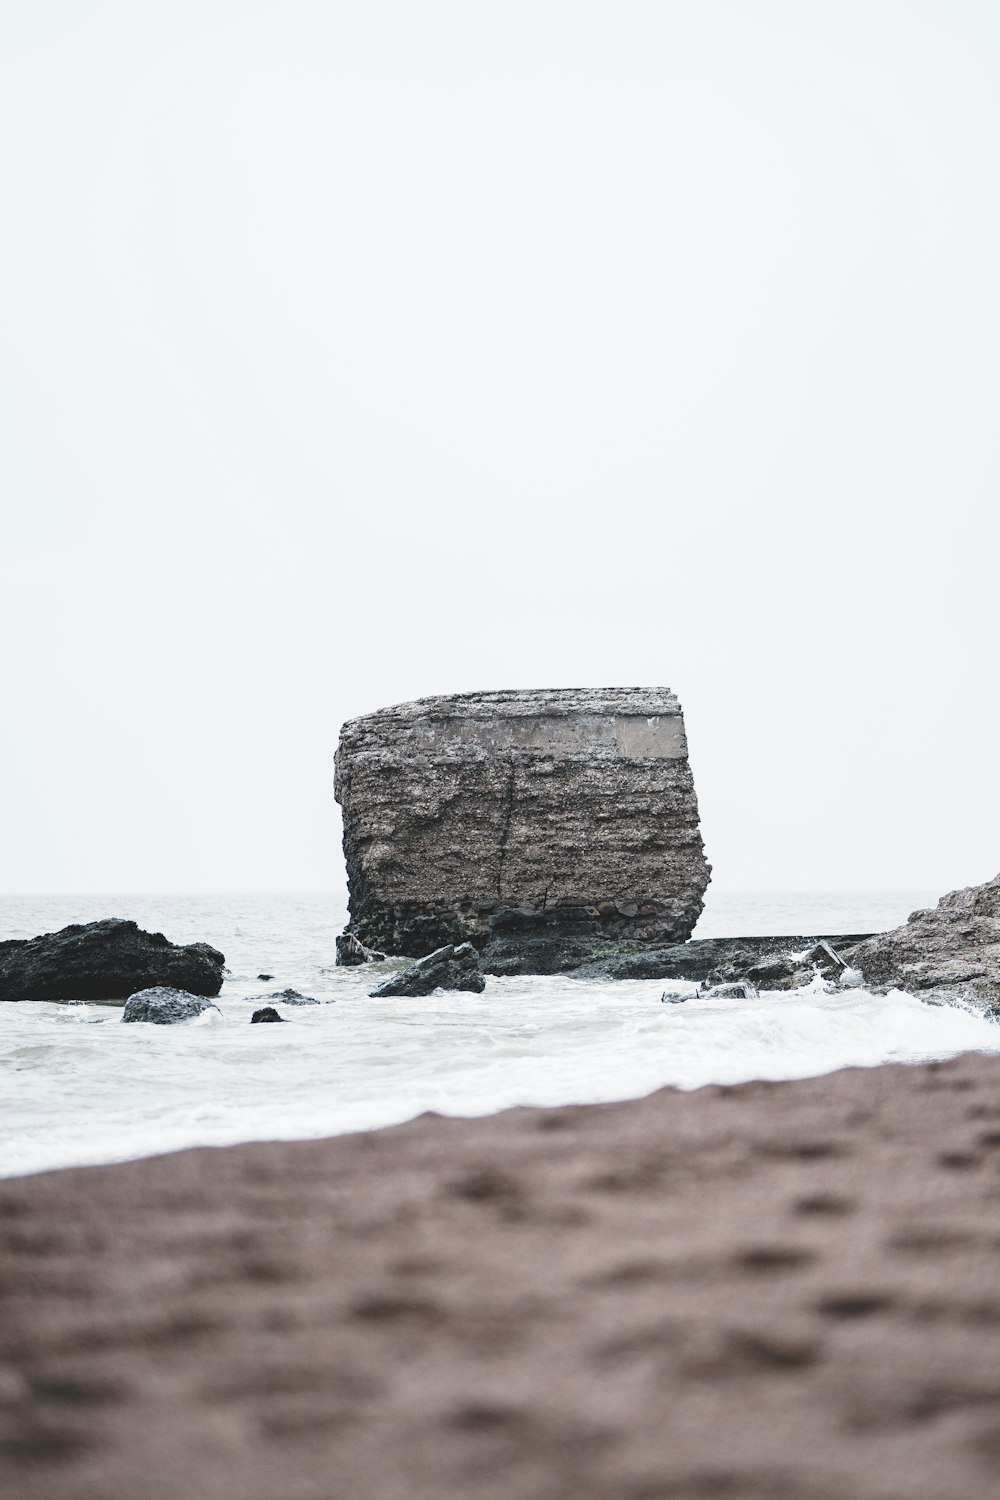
x: 526, y: 703
x: 628, y: 723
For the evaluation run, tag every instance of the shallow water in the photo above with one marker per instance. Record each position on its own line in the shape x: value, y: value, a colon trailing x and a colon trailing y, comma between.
x: 76, y: 1086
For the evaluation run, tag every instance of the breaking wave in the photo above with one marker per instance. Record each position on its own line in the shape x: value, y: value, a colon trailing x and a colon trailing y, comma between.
x: 78, y: 1087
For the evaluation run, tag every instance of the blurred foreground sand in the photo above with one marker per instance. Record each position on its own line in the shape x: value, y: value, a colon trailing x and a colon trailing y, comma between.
x: 777, y: 1291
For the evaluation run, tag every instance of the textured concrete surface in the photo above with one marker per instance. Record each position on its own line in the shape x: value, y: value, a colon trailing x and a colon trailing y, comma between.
x: 772, y: 1292
x: 577, y: 800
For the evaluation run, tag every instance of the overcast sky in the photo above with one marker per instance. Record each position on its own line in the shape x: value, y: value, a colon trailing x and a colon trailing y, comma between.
x: 353, y: 352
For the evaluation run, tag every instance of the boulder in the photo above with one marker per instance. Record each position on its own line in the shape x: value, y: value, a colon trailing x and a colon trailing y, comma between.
x: 106, y: 960
x: 556, y: 800
x: 950, y: 950
x: 164, y: 1006
x: 288, y: 997
x: 448, y: 968
x: 351, y: 952
x: 827, y: 961
x: 266, y: 1013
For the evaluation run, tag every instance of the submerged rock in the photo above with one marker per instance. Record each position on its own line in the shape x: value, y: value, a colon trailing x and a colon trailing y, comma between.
x: 266, y: 1013
x: 288, y: 997
x: 164, y: 1006
x: 573, y: 805
x: 448, y: 968
x: 741, y: 989
x: 952, y: 949
x: 106, y: 960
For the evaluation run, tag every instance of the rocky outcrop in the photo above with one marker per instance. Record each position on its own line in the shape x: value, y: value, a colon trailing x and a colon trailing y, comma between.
x: 952, y: 949
x: 266, y: 1014
x: 448, y: 968
x: 570, y: 804
x: 769, y: 963
x: 164, y: 1006
x: 107, y: 960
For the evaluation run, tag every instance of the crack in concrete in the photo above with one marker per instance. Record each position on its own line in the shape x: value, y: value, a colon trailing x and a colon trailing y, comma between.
x: 508, y: 818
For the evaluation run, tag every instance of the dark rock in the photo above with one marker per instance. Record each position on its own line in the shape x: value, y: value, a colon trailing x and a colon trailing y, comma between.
x: 107, y: 960
x: 525, y: 941
x: 952, y: 949
x: 655, y: 963
x: 775, y: 967
x: 526, y: 923
x: 766, y: 961
x: 718, y: 960
x: 266, y: 1013
x: 288, y: 997
x: 351, y: 952
x: 778, y: 963
x: 265, y: 977
x: 164, y: 1006
x: 449, y: 968
x: 508, y: 956
x: 739, y: 990
x: 578, y: 801
x: 778, y: 972
x: 825, y: 958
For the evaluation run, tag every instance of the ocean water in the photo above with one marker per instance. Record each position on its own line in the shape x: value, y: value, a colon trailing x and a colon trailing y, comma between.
x: 78, y: 1087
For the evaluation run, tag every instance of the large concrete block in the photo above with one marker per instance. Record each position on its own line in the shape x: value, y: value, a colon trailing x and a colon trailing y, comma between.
x: 554, y: 800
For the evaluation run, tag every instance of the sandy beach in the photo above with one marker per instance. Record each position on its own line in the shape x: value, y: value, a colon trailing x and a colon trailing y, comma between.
x: 779, y: 1291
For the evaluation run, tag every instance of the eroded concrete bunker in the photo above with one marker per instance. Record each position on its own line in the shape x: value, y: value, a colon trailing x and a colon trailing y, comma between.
x: 572, y: 804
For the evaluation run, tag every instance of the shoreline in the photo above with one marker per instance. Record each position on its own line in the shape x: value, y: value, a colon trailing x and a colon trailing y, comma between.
x: 81, y: 1089
x: 764, y: 1290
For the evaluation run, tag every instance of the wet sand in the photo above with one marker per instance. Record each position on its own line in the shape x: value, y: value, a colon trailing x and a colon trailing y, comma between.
x: 775, y: 1291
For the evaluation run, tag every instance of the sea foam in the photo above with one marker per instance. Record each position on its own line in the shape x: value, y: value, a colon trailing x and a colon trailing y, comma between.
x: 77, y: 1087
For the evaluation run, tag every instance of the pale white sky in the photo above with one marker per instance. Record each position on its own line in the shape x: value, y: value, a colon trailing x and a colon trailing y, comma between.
x: 355, y: 352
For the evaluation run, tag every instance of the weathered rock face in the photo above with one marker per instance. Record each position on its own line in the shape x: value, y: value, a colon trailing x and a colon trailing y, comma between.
x: 953, y: 948
x: 107, y: 960
x: 556, y: 801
